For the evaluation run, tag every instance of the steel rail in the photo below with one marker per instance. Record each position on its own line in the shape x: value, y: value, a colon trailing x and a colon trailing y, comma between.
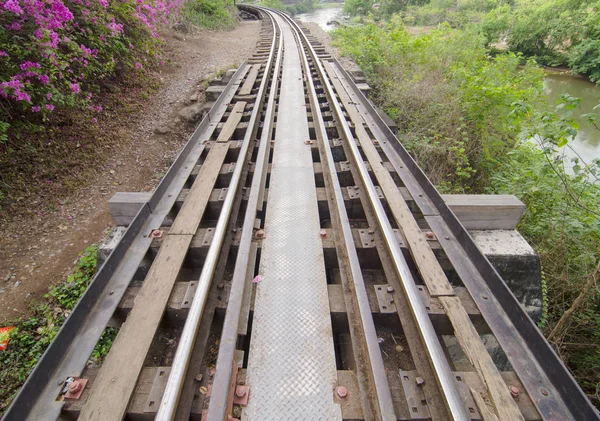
x: 170, y: 399
x: 385, y: 406
x: 548, y: 382
x: 69, y: 352
x: 426, y: 330
x: 221, y: 384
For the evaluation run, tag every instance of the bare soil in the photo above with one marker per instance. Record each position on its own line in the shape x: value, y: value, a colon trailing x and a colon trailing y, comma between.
x: 41, y: 237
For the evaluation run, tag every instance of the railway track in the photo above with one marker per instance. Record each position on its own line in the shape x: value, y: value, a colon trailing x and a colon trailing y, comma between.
x: 295, y: 263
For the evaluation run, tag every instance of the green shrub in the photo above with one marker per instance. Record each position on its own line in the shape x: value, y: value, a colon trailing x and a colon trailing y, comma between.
x: 33, y: 335
x: 210, y: 14
x: 584, y: 58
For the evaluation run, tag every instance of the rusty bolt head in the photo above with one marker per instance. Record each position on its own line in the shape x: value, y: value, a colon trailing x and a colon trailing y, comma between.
x: 544, y: 392
x: 429, y: 234
x: 157, y: 233
x: 259, y: 234
x: 376, y: 142
x: 308, y: 142
x: 240, y: 391
x: 323, y: 234
x: 420, y: 381
x: 75, y: 386
x: 341, y: 391
x: 390, y: 289
x: 212, y: 371
x: 514, y: 391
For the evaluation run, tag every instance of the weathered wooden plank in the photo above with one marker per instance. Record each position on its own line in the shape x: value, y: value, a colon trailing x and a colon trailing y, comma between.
x: 427, y: 264
x: 232, y: 121
x: 117, y: 378
x: 246, y: 88
x: 188, y: 218
x: 475, y: 350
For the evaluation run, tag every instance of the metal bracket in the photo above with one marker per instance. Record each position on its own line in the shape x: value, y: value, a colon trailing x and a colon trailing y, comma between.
x: 385, y: 299
x: 344, y: 166
x: 222, y: 194
x: 208, y: 237
x: 415, y: 398
x: 186, y: 302
x: 158, y: 387
x: 465, y: 394
x: 353, y: 192
x: 367, y: 240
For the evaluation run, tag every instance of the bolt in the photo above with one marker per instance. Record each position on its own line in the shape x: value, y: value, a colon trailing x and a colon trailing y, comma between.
x: 429, y: 234
x: 341, y: 391
x: 111, y: 292
x: 485, y: 297
x: 371, y: 231
x: 514, y: 391
x: 259, y: 234
x: 323, y: 233
x: 544, y: 392
x: 240, y: 391
x: 446, y: 237
x: 390, y: 289
x: 420, y: 381
x: 75, y: 386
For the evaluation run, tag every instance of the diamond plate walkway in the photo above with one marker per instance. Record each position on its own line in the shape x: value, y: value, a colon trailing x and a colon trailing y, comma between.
x: 291, y: 370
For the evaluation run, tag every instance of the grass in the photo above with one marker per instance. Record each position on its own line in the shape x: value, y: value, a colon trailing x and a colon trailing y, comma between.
x: 32, y: 335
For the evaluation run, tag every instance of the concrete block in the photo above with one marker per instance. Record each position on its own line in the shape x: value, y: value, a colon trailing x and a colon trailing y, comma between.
x: 364, y: 88
x: 125, y: 205
x: 517, y: 263
x: 213, y: 92
x: 109, y: 244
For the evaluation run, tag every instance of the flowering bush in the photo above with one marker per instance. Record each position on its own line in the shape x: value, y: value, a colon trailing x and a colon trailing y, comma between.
x: 57, y: 52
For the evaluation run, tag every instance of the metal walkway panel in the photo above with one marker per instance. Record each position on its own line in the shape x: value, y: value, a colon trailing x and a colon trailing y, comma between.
x: 292, y: 370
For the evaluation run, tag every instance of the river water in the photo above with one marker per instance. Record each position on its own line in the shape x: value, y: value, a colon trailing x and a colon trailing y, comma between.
x: 587, y: 141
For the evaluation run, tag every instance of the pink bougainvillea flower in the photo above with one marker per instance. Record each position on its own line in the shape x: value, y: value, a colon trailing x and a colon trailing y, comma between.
x: 74, y: 87
x: 49, y: 107
x: 138, y: 65
x: 35, y: 109
x: 13, y: 6
x: 49, y: 96
x: 43, y: 79
x: 3, y: 54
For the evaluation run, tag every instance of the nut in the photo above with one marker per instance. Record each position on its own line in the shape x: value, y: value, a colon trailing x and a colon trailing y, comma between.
x: 341, y: 391
x: 514, y: 391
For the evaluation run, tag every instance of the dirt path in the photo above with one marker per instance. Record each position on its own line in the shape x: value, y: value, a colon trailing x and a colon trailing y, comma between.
x: 39, y: 251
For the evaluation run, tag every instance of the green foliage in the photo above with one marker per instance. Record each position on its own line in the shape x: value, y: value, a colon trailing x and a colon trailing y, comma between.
x: 584, y: 58
x: 302, y: 6
x: 554, y: 32
x: 478, y: 123
x: 32, y: 335
x: 358, y: 7
x: 210, y: 14
x: 452, y: 102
